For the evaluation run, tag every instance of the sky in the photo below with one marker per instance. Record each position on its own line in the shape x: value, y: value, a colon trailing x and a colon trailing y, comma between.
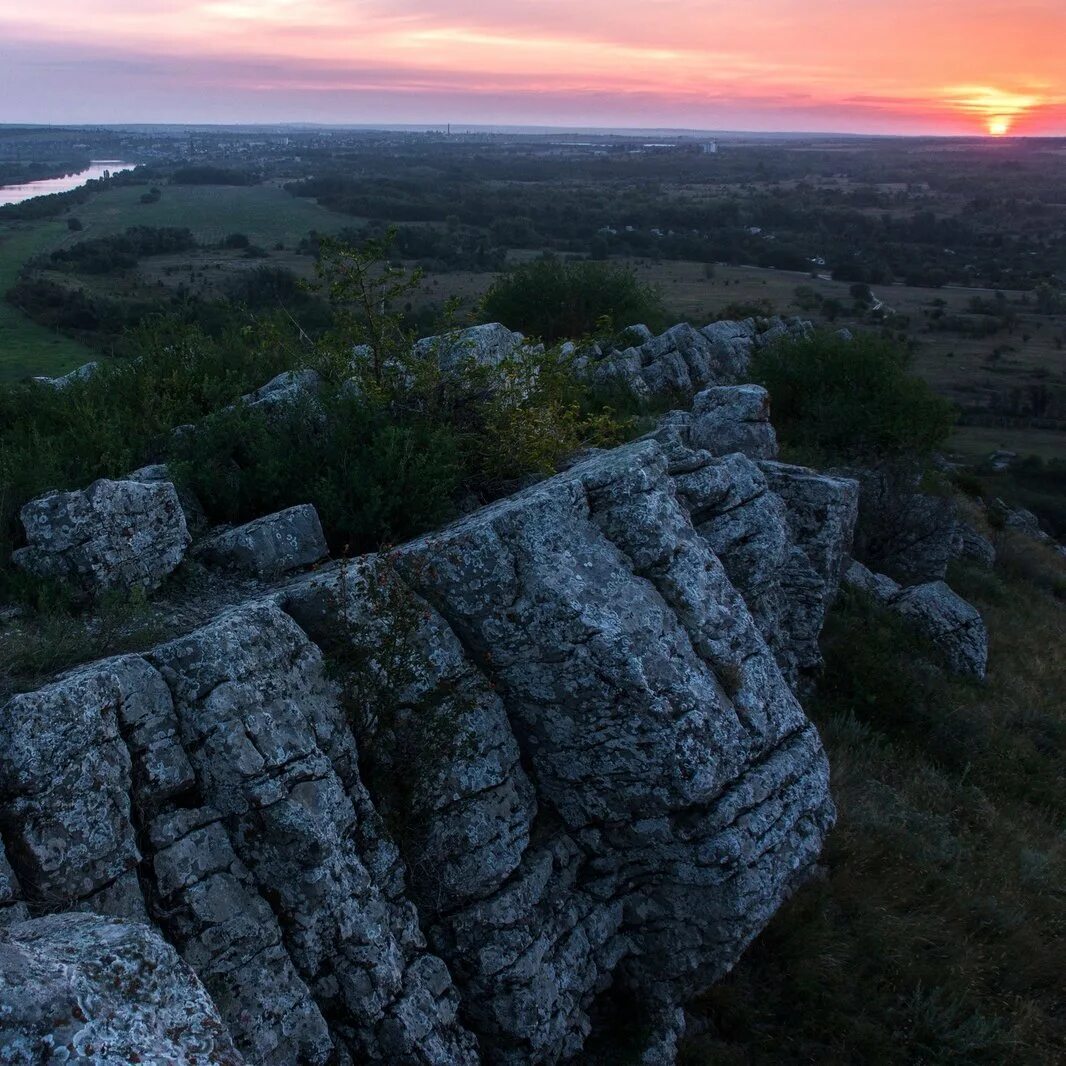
x: 905, y: 66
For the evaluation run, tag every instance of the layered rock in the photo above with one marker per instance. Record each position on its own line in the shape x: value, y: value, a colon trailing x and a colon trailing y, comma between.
x: 114, y: 534
x: 684, y: 359
x: 580, y: 768
x: 723, y: 420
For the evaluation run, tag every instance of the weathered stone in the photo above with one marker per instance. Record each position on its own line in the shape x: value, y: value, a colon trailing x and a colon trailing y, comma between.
x: 556, y: 594
x: 82, y: 373
x: 821, y: 512
x: 264, y: 731
x: 953, y: 626
x: 290, y: 386
x: 485, y: 346
x: 77, y: 987
x: 270, y: 546
x: 114, y: 534
x: 581, y: 767
x: 878, y: 586
x: 65, y: 784
x: 733, y: 418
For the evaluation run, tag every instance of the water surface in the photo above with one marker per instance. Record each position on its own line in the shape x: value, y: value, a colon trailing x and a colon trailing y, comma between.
x: 98, y: 168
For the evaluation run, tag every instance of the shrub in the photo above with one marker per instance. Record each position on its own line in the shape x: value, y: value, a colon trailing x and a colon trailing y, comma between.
x: 556, y: 300
x: 850, y: 401
x: 121, y: 417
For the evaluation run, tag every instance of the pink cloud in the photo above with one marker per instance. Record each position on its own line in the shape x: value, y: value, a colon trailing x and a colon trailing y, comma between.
x: 822, y: 64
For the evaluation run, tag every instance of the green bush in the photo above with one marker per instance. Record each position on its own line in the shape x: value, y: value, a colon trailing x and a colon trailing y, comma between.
x: 556, y: 300
x: 837, y: 400
x: 373, y: 480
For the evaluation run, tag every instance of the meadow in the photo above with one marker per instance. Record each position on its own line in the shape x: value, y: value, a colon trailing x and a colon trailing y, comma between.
x: 266, y: 214
x: 25, y: 346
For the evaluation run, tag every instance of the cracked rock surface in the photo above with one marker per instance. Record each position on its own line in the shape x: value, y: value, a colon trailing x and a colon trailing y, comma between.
x: 434, y: 806
x: 114, y: 534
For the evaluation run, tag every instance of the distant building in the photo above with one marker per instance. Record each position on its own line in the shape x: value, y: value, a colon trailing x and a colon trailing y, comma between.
x: 709, y: 147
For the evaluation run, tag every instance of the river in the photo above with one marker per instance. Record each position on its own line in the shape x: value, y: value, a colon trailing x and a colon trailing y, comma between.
x: 15, y: 194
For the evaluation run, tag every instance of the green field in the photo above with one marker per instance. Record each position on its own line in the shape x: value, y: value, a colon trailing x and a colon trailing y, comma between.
x: 25, y: 347
x: 266, y: 214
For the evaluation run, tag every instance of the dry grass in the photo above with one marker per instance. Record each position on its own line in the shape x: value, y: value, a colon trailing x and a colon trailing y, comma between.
x: 938, y: 931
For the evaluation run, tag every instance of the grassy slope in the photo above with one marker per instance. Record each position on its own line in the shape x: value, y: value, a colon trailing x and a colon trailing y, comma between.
x: 26, y: 347
x: 937, y: 934
x: 266, y: 214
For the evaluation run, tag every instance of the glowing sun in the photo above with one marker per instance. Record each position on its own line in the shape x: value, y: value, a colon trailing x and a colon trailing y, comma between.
x: 996, y: 109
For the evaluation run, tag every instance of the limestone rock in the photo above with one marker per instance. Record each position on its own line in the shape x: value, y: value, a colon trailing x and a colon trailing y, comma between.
x: 733, y: 418
x: 878, y: 586
x: 486, y: 346
x: 114, y: 534
x: 80, y: 987
x: 272, y: 545
x: 82, y: 373
x: 428, y: 807
x: 288, y: 387
x: 953, y: 626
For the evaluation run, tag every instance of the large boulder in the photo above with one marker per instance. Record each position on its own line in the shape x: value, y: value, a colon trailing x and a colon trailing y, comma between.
x: 733, y: 418
x: 486, y: 346
x: 953, y: 626
x: 114, y: 534
x: 270, y: 546
x: 78, y: 987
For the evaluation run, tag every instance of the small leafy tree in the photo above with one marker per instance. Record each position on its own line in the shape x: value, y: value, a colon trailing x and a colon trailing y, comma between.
x: 365, y: 289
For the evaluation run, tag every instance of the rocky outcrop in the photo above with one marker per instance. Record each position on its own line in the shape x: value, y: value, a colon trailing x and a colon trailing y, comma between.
x: 114, y: 534
x: 685, y: 359
x: 434, y: 807
x: 269, y: 546
x: 77, y: 987
x: 82, y: 373
x: 723, y: 420
x: 485, y: 346
x: 954, y: 628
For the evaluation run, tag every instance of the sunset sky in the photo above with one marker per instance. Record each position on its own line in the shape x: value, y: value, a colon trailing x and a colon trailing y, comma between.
x: 905, y: 66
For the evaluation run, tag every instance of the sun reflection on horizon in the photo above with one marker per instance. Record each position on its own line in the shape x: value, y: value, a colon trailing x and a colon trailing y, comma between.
x: 996, y: 109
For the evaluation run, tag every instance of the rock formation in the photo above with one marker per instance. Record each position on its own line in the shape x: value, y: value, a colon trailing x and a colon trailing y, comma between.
x: 114, y: 534
x: 441, y: 806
